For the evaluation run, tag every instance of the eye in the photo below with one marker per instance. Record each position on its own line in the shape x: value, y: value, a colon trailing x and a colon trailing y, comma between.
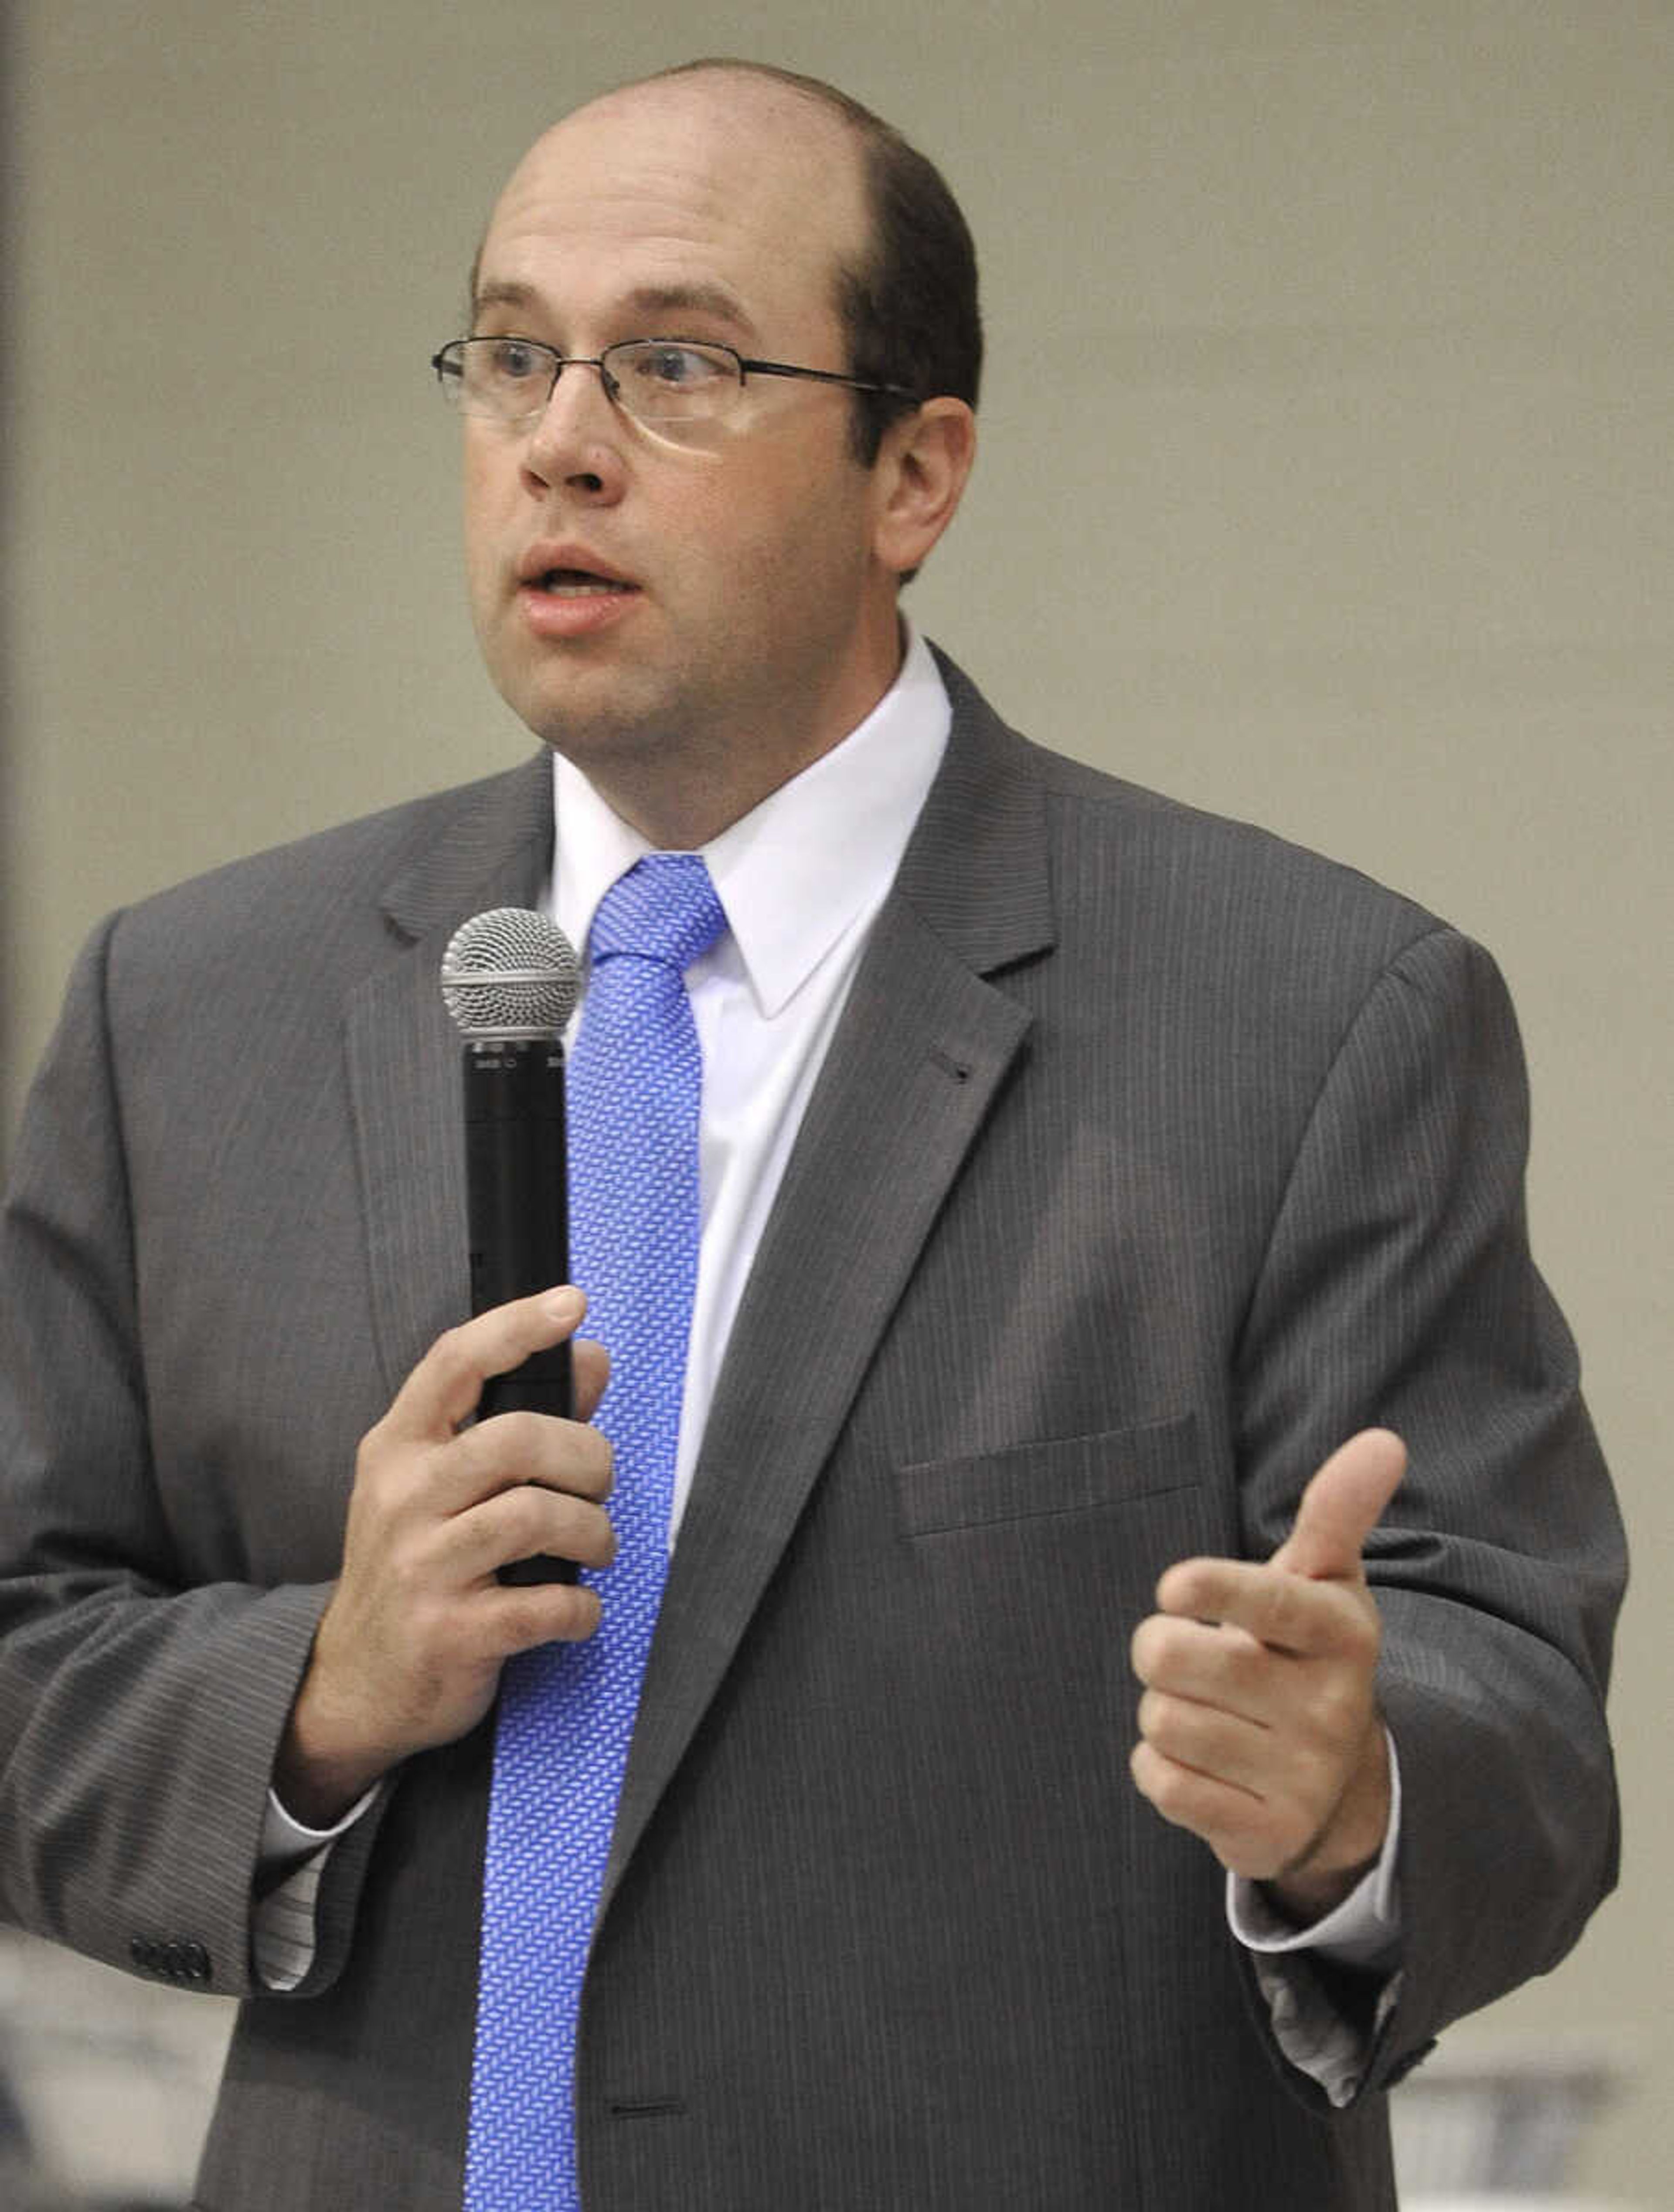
x: 657, y: 367
x: 516, y: 361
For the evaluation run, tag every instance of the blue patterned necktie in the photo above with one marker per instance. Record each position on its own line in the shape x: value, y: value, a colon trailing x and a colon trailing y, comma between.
x: 567, y: 1711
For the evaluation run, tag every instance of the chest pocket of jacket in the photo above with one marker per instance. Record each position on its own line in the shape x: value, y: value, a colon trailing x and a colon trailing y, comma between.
x: 1060, y: 1475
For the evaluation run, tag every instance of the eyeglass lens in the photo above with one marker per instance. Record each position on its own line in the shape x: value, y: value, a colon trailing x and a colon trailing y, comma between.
x: 655, y: 380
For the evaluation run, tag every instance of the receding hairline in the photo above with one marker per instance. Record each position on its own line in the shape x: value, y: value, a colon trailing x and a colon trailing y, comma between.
x: 854, y: 115
x: 857, y: 120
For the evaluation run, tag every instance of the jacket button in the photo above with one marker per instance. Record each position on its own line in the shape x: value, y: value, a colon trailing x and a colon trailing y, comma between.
x: 177, y: 1960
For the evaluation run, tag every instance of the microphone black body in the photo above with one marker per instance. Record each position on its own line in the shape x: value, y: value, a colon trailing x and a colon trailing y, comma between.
x: 518, y: 1221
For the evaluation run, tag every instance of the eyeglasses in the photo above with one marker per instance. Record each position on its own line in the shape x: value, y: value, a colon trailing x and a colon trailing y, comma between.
x: 672, y: 386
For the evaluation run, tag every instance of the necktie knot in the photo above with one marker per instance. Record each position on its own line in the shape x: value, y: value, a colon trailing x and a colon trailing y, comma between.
x: 664, y: 908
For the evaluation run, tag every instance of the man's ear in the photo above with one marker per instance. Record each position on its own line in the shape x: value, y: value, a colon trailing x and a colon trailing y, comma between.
x: 920, y: 475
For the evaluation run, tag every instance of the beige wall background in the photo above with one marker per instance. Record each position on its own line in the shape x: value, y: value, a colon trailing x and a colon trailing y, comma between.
x: 1325, y: 481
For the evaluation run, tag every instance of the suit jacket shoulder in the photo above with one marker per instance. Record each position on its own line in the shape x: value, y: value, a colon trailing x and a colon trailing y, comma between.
x: 1213, y: 925
x: 384, y: 877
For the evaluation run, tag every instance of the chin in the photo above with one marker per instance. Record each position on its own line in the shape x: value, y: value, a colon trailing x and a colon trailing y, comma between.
x: 588, y: 732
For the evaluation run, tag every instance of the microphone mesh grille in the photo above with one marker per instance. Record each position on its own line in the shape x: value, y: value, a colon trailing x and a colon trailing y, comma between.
x: 509, y: 973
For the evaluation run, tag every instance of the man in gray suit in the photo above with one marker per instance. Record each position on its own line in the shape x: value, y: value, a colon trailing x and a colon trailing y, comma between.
x: 1081, y: 1175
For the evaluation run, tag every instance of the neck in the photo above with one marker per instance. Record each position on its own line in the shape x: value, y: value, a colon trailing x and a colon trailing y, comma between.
x: 681, y: 791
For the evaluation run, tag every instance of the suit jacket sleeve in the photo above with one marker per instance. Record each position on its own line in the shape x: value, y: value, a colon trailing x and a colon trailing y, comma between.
x: 140, y: 1705
x: 1397, y: 1288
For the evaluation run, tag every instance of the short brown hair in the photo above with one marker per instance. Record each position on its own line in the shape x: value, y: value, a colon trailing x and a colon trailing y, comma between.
x: 909, y: 313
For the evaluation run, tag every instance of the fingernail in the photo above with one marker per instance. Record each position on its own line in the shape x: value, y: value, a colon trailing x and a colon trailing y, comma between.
x: 565, y: 1304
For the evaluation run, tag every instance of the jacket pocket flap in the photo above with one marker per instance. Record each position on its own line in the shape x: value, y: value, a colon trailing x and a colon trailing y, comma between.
x: 1062, y: 1474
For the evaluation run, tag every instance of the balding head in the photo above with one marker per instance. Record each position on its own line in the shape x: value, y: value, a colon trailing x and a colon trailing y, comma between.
x: 905, y: 286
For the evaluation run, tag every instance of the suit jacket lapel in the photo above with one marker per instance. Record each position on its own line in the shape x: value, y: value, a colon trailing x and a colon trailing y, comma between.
x: 493, y: 848
x: 922, y: 1045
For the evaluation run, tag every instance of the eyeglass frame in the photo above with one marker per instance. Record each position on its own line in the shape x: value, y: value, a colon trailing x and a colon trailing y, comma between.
x: 439, y: 362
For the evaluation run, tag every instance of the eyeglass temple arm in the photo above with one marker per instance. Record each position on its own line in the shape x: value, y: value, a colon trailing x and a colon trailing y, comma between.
x: 822, y: 376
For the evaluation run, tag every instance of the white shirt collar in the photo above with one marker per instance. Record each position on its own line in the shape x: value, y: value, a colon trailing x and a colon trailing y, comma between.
x: 797, y: 871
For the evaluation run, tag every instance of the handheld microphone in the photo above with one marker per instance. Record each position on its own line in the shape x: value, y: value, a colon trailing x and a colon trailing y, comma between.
x: 510, y: 979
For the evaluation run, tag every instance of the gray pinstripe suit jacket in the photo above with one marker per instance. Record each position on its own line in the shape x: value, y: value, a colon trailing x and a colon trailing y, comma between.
x: 1154, y: 1157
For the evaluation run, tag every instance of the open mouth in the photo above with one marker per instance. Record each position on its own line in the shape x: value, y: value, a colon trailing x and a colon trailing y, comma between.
x: 579, y: 584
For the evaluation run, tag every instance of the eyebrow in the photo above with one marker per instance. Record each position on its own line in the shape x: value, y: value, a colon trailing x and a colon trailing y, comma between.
x: 652, y: 299
x: 713, y: 299
x: 501, y: 296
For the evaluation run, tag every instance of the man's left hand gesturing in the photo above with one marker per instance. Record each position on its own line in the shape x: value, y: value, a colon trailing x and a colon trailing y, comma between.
x: 1259, y: 1730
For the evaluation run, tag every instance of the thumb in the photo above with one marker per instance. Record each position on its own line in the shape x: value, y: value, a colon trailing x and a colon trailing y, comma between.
x: 1342, y: 1505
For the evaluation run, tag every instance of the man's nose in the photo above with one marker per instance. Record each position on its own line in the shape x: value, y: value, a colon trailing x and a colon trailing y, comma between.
x: 576, y: 438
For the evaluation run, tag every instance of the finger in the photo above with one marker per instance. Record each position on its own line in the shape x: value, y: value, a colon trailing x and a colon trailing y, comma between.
x: 591, y: 1367
x: 1215, y: 1666
x: 444, y: 1388
x: 518, y: 1618
x: 1242, y: 1827
x: 1285, y: 1611
x: 522, y: 1523
x: 1342, y: 1505
x: 1224, y: 1815
x: 1216, y: 1744
x: 508, y: 1450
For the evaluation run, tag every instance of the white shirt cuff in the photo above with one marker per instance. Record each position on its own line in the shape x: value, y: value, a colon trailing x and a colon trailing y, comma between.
x: 289, y: 1864
x: 285, y: 1840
